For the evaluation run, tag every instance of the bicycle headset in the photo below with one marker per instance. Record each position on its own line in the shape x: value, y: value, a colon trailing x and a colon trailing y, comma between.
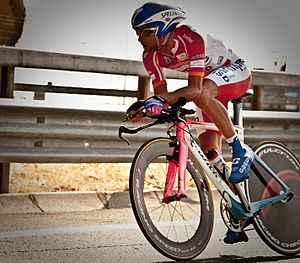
x: 161, y: 18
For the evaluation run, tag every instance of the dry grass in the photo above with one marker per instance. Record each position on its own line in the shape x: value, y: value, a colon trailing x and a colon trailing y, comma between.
x: 35, y: 177
x: 68, y: 177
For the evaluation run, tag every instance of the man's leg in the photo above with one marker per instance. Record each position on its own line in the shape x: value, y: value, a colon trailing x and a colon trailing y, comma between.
x: 214, y: 109
x: 209, y: 140
x: 212, y: 140
x: 242, y: 156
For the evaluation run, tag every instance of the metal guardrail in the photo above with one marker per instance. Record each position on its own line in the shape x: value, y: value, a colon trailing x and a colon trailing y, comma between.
x: 30, y: 134
x: 49, y: 135
x: 12, y: 57
x: 64, y: 135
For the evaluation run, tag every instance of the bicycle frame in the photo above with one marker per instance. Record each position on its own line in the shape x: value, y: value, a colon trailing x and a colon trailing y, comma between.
x: 238, y: 204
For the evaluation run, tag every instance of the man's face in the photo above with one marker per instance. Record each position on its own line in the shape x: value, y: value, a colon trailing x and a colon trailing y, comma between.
x: 147, y: 38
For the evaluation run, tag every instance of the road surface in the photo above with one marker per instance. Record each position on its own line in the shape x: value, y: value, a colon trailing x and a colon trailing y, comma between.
x: 107, y: 235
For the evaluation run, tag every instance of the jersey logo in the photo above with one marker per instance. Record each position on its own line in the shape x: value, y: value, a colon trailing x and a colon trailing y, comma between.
x: 182, y: 56
x: 207, y: 59
x: 167, y: 60
x: 188, y: 38
x: 220, y: 59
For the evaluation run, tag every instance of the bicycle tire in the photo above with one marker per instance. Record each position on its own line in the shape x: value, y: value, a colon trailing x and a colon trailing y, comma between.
x: 277, y: 225
x: 174, y: 234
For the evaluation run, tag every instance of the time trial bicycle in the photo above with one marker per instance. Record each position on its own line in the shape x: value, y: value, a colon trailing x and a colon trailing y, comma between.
x: 171, y: 197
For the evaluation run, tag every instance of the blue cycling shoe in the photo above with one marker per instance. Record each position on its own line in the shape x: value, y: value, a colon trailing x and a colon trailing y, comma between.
x: 242, y: 159
x: 235, y: 237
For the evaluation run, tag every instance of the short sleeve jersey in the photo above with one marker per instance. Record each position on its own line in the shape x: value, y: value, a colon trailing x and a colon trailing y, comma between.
x: 191, y: 52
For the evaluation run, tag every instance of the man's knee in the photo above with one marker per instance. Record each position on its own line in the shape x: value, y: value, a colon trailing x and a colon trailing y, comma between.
x: 203, y: 98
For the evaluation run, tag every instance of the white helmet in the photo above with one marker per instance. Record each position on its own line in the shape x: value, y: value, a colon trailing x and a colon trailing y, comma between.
x: 162, y: 17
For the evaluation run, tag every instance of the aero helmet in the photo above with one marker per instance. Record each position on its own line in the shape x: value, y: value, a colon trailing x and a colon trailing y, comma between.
x: 162, y: 17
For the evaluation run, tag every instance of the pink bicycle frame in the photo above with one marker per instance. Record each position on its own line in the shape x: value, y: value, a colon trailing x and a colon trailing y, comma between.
x: 175, y: 166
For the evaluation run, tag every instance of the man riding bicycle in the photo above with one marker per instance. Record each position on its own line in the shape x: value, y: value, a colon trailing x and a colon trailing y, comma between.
x: 216, y: 75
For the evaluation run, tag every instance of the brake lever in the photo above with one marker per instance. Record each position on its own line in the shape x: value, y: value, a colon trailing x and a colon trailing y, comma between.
x: 123, y: 129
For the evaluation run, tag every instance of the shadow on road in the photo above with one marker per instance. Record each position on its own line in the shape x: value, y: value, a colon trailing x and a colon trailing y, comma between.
x: 238, y: 259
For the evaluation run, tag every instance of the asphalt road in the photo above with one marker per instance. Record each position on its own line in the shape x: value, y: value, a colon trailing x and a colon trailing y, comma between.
x: 107, y: 235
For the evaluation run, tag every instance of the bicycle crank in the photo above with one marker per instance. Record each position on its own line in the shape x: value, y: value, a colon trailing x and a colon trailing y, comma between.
x: 235, y: 225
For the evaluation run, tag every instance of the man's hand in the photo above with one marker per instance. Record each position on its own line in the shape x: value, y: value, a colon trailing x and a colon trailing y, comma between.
x: 150, y: 107
x: 136, y: 111
x: 154, y: 105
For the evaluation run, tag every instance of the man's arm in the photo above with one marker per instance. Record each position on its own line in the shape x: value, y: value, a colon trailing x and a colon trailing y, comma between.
x: 190, y: 92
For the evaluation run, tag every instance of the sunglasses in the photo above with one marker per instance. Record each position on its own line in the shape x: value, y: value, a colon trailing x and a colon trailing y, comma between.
x: 145, y: 32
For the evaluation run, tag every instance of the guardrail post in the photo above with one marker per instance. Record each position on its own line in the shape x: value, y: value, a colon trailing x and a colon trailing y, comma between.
x: 4, y: 178
x: 6, y: 82
x: 258, y: 97
x: 6, y: 91
x: 143, y: 88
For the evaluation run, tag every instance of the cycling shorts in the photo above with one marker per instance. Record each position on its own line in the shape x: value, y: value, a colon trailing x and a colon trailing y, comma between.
x: 232, y: 80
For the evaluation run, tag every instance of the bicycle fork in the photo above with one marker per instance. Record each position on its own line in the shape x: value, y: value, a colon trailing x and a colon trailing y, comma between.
x: 177, y: 166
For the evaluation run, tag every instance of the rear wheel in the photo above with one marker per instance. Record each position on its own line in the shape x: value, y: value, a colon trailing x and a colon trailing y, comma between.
x: 277, y: 225
x: 180, y: 229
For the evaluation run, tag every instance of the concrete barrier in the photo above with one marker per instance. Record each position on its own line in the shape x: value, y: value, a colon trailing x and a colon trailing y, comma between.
x: 16, y: 204
x: 54, y: 202
x: 68, y: 202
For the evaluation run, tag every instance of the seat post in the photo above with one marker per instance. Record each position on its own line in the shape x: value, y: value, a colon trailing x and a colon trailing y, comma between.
x: 238, y: 117
x: 238, y: 108
x: 237, y: 112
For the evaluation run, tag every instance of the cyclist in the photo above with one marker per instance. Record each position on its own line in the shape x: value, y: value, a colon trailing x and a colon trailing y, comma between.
x: 215, y: 76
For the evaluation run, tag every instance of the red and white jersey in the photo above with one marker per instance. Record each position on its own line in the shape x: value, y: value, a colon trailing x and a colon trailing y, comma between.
x: 192, y: 52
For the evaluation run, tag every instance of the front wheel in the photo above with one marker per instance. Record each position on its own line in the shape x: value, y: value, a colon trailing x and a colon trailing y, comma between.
x: 277, y: 225
x: 181, y: 229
